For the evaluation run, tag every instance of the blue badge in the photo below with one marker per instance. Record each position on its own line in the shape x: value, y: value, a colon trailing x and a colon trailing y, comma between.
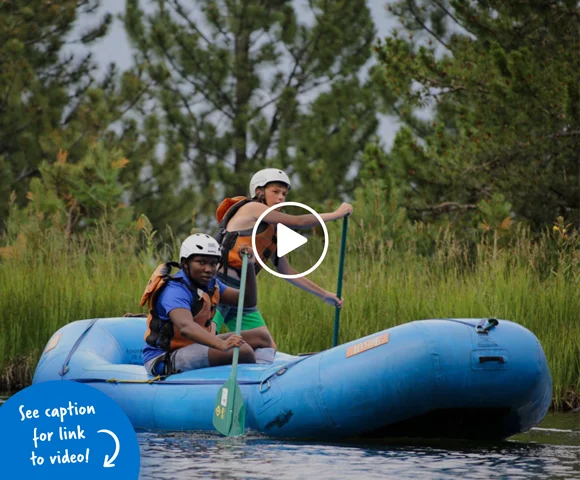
x: 66, y: 430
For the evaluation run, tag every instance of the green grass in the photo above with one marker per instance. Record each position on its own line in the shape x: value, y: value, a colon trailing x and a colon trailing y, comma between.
x: 383, y: 286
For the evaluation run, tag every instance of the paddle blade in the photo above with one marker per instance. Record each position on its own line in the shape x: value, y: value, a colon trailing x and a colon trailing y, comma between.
x: 229, y: 416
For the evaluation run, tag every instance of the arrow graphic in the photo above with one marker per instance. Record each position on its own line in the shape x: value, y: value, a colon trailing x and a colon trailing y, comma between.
x: 109, y: 462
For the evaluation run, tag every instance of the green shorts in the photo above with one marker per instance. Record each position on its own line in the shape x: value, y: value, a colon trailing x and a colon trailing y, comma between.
x: 227, y: 314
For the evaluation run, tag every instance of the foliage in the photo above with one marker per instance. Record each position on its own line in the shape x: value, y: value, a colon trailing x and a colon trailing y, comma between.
x: 52, y: 99
x: 71, y: 198
x: 245, y: 84
x: 500, y: 80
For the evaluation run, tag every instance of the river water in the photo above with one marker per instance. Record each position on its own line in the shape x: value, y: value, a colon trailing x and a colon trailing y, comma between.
x: 551, y: 450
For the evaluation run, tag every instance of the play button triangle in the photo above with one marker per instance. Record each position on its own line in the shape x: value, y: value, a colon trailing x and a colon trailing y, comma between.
x: 288, y: 240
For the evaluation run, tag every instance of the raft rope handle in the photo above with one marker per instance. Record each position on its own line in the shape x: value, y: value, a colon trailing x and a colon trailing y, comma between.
x: 456, y: 321
x: 484, y: 326
x: 149, y: 380
x: 64, y: 370
x: 160, y: 380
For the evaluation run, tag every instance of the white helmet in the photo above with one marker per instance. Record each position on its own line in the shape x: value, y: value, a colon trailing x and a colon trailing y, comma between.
x: 200, y: 244
x: 265, y: 176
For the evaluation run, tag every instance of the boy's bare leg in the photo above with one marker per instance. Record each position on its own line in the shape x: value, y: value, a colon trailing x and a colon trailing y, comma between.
x: 258, y: 338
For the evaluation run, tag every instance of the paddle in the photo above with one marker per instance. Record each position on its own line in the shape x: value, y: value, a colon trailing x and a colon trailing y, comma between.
x: 229, y: 417
x: 339, y: 288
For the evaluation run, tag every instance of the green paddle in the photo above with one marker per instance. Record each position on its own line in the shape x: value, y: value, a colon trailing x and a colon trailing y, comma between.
x: 229, y: 416
x: 339, y: 288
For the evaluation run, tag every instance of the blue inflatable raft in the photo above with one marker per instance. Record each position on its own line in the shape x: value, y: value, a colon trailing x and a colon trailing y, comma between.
x: 447, y: 378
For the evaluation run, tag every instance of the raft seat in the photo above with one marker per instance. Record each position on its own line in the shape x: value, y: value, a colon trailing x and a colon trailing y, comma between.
x: 103, y: 346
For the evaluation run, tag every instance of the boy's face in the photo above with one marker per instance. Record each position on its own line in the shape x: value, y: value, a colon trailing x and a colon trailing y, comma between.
x: 202, y: 268
x: 275, y: 193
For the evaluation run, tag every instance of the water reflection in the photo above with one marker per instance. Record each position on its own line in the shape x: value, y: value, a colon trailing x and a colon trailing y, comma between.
x: 550, y: 451
x: 181, y: 456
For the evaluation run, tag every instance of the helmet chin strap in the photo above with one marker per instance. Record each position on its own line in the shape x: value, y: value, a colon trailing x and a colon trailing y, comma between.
x: 186, y: 270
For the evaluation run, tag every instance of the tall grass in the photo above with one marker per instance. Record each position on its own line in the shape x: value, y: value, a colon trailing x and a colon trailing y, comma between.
x: 533, y: 283
x: 57, y: 281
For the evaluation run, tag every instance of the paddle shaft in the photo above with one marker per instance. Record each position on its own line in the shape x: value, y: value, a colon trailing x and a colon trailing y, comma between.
x: 339, y: 287
x: 240, y: 312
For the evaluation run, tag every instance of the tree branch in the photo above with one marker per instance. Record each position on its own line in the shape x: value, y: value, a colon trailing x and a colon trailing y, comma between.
x: 444, y: 207
x: 192, y: 82
x: 263, y: 147
x: 208, y: 78
x: 442, y: 7
x: 411, y: 4
x: 179, y: 9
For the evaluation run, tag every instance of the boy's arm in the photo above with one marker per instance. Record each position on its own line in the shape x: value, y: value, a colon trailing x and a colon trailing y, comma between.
x: 307, y: 285
x: 231, y: 295
x: 183, y: 321
x: 298, y: 221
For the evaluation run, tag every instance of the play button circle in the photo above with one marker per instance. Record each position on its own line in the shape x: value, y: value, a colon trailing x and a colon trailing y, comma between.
x: 289, y: 240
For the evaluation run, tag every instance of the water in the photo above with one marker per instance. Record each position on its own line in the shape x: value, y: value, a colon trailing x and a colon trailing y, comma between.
x: 551, y: 450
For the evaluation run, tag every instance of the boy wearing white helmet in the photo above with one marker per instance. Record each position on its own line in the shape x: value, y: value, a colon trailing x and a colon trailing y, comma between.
x: 180, y: 332
x: 237, y: 217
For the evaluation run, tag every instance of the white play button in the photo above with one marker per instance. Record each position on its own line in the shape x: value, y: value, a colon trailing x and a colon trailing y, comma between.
x: 288, y: 240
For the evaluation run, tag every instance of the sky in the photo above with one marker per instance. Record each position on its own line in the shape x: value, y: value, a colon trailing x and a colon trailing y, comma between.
x: 115, y: 47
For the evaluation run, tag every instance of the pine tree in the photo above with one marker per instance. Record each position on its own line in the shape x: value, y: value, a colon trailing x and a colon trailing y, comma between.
x: 502, y: 79
x: 245, y: 84
x: 73, y: 197
x: 50, y: 98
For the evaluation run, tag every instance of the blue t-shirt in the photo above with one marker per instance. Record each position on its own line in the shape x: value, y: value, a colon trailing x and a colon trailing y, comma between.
x: 175, y: 295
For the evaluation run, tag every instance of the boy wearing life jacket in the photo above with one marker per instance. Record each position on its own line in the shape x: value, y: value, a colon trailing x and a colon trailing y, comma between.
x: 237, y: 217
x: 180, y: 332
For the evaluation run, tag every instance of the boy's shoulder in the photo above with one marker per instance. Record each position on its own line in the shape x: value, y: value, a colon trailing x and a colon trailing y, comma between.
x: 253, y: 210
x: 252, y: 207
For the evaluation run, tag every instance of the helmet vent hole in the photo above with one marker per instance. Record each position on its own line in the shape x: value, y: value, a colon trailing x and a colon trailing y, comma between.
x: 200, y: 247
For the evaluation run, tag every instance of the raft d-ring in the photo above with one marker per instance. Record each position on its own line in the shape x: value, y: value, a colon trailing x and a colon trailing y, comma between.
x: 267, y: 384
x: 486, y: 325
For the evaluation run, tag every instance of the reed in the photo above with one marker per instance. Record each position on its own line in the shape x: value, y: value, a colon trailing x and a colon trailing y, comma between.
x: 531, y: 282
